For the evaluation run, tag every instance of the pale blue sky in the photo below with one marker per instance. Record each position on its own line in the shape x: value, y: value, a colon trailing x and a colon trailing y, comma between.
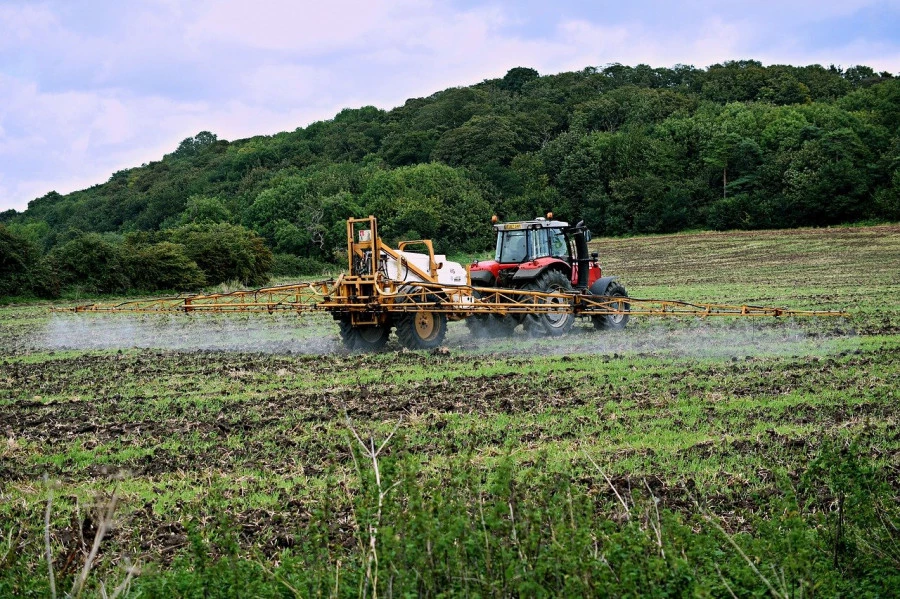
x: 88, y: 87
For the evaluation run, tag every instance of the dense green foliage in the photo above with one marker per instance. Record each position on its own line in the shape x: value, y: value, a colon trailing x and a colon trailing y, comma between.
x: 16, y: 259
x: 547, y: 537
x: 628, y: 149
x: 22, y: 270
x: 184, y: 258
x: 90, y: 261
x: 162, y: 265
x: 539, y: 534
x: 225, y: 252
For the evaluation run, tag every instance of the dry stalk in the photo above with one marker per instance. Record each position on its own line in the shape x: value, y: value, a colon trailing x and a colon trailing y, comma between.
x: 782, y: 582
x: 105, y: 525
x: 611, y: 486
x: 277, y: 578
x: 657, y: 528
x: 890, y: 528
x: 337, y: 578
x: 11, y: 543
x: 130, y: 571
x: 571, y: 509
x: 725, y: 582
x: 731, y: 541
x: 515, y: 538
x: 353, y: 515
x: 372, y: 453
x: 78, y: 519
x: 487, y: 543
x: 47, y: 547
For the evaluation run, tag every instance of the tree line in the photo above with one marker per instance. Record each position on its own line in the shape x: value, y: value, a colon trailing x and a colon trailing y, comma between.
x: 630, y: 150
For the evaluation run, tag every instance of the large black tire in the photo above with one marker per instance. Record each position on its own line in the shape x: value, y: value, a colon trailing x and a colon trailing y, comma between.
x: 613, y: 322
x: 551, y: 324
x: 365, y: 338
x: 422, y: 329
x: 486, y: 326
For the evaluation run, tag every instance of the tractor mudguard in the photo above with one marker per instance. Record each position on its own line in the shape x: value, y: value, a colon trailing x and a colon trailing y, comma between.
x: 482, y: 278
x: 524, y: 276
x: 600, y: 285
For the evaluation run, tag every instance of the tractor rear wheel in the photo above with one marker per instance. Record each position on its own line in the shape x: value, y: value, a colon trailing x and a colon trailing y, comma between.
x: 551, y: 324
x: 363, y: 338
x: 421, y: 329
x: 609, y: 322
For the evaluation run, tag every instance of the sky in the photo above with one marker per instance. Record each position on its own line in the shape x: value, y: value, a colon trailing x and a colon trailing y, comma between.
x: 90, y: 87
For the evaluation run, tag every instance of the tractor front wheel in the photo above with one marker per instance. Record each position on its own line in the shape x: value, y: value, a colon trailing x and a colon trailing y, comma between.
x: 552, y: 324
x: 364, y: 338
x: 609, y: 322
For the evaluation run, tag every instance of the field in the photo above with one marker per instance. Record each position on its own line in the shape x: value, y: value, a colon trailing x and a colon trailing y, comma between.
x: 679, y: 457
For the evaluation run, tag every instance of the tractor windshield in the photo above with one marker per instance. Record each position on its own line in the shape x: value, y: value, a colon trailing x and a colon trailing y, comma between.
x: 558, y: 246
x: 511, y: 247
x: 549, y: 242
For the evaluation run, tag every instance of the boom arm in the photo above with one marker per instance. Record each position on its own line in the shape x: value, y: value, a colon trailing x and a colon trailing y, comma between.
x: 331, y: 296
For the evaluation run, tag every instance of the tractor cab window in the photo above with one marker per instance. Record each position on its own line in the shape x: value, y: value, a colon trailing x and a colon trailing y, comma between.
x: 558, y: 246
x: 511, y: 247
x: 540, y: 244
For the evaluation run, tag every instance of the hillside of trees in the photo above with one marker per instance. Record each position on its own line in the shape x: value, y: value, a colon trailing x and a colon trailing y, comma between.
x: 628, y: 149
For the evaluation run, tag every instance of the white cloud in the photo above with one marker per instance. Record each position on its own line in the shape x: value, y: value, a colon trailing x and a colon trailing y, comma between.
x: 718, y: 40
x: 288, y: 85
x: 289, y: 25
x: 25, y: 24
x: 71, y: 140
x: 809, y: 9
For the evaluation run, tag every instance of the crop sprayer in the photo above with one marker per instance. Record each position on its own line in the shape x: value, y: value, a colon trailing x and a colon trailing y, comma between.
x: 542, y: 277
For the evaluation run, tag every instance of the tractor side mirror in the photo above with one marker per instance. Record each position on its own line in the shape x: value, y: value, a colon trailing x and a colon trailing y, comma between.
x: 587, y: 235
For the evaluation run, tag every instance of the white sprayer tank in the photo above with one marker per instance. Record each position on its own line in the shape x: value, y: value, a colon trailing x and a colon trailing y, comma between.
x: 449, y: 273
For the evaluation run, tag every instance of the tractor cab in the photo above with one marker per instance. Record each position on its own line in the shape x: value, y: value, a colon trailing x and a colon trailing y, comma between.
x: 528, y: 240
x: 527, y: 249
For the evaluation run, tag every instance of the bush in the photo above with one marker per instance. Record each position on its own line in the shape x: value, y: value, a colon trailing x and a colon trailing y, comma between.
x: 202, y: 209
x: 161, y: 266
x: 90, y: 262
x: 225, y: 252
x: 887, y: 200
x: 289, y: 265
x: 742, y: 211
x: 16, y: 259
x: 43, y: 279
x: 430, y: 201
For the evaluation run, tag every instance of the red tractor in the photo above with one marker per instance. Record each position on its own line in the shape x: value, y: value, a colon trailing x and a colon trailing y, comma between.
x: 543, y: 255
